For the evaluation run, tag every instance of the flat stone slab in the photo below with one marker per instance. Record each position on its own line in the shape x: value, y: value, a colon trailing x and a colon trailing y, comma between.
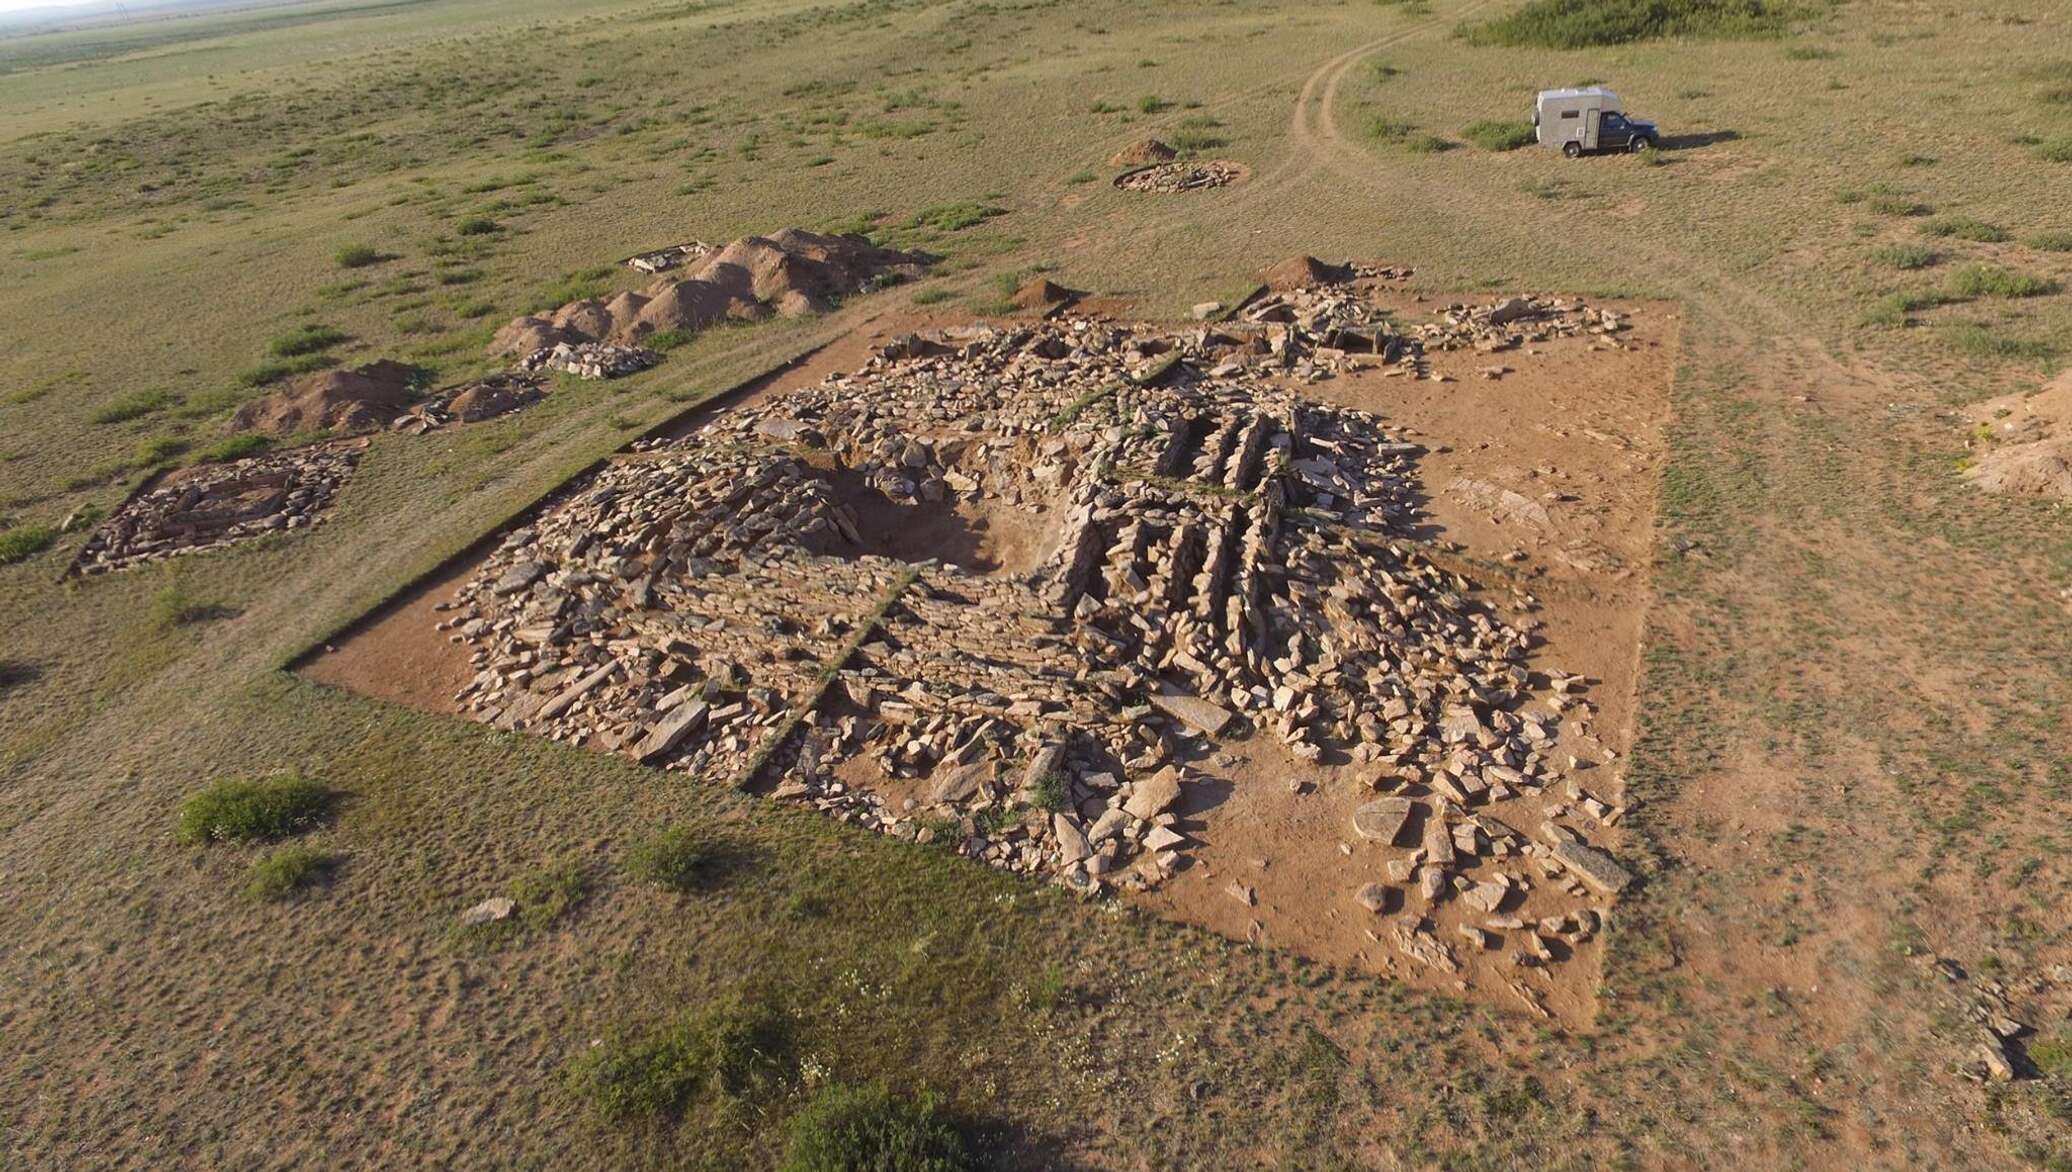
x: 1154, y: 795
x: 672, y: 730
x: 1196, y: 713
x: 1382, y: 818
x: 1593, y: 866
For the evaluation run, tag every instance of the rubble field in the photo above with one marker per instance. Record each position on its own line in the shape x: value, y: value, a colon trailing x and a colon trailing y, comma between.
x: 1175, y: 177
x: 1152, y: 612
x: 210, y: 506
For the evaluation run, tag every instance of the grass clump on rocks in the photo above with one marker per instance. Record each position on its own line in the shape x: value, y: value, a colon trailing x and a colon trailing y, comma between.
x: 238, y: 810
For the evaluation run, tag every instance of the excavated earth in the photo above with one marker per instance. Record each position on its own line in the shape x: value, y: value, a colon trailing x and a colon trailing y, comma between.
x: 1140, y: 610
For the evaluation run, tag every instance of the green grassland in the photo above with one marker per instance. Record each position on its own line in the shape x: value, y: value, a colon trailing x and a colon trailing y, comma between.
x: 1853, y: 744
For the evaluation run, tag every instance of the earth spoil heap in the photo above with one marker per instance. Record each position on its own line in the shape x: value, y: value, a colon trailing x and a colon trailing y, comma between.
x: 1172, y: 178
x: 1219, y: 558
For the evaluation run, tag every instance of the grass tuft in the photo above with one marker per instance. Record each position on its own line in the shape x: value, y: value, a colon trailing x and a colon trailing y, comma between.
x: 357, y: 256
x: 953, y: 217
x: 1907, y: 256
x: 677, y: 858
x: 2055, y: 150
x: 253, y: 811
x: 134, y: 405
x: 2050, y: 242
x: 1977, y: 341
x: 1964, y: 228
x: 1988, y: 281
x: 288, y: 872
x: 23, y: 542
x: 733, y: 1051
x: 844, y: 1128
x: 306, y: 339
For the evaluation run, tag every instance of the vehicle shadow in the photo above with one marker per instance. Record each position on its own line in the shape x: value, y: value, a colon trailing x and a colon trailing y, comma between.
x: 1685, y: 142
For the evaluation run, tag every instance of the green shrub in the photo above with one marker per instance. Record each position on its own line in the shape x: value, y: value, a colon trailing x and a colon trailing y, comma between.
x: 663, y: 341
x: 851, y: 1129
x: 288, y: 872
x: 134, y: 405
x: 2053, y: 1055
x: 1383, y: 128
x: 1499, y: 136
x: 1897, y: 308
x: 2050, y: 242
x: 23, y: 542
x: 357, y: 256
x: 675, y: 857
x: 953, y: 217
x: 577, y: 286
x: 1988, y: 281
x: 1576, y: 24
x: 306, y: 339
x: 729, y: 1052
x: 236, y: 447
x: 1964, y: 228
x: 1422, y: 143
x: 1907, y: 256
x: 934, y: 295
x: 2056, y: 150
x: 251, y: 811
x: 1050, y: 792
x: 479, y: 226
x: 1153, y: 104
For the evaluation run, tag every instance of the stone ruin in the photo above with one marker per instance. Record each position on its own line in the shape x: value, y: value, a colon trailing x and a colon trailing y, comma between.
x: 1173, y: 178
x: 1223, y: 561
x: 661, y: 260
x: 484, y: 399
x: 213, y: 505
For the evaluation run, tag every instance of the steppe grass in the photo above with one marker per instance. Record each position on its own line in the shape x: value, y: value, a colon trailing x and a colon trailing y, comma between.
x: 2054, y: 150
x: 288, y: 872
x: 239, y: 810
x: 2050, y: 242
x: 954, y: 217
x: 849, y: 1129
x: 1979, y: 341
x: 310, y: 338
x: 357, y: 256
x: 546, y: 895
x: 1578, y: 24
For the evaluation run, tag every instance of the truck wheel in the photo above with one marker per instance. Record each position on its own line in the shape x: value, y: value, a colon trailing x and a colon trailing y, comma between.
x: 1641, y: 142
x: 1572, y: 149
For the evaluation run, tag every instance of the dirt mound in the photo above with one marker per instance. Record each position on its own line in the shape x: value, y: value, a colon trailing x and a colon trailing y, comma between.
x: 1300, y: 272
x: 2043, y: 468
x: 791, y: 273
x: 1041, y: 293
x: 1139, y: 154
x: 2028, y: 415
x: 358, y: 399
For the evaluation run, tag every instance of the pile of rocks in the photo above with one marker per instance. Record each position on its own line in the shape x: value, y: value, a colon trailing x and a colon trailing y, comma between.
x: 214, y: 505
x: 661, y: 260
x: 1230, y: 559
x: 1170, y: 178
x: 591, y: 360
x: 485, y: 399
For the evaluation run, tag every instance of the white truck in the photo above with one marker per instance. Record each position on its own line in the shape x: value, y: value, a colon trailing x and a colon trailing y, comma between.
x: 1588, y: 118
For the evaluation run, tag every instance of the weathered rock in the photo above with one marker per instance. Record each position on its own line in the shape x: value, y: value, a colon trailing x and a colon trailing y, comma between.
x: 1196, y: 713
x: 1383, y: 819
x: 1592, y: 866
x: 488, y: 911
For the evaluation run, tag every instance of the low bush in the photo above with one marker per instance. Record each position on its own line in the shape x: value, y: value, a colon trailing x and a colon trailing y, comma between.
x: 1197, y: 133
x: 306, y: 339
x: 1153, y: 104
x: 282, y: 368
x: 287, y: 873
x: 357, y: 256
x: 479, y: 226
x: 1898, y: 205
x: 1423, y: 143
x: 1988, y: 281
x: 2055, y: 150
x: 675, y: 857
x: 1577, y: 24
x: 1964, y: 228
x: 1896, y: 309
x: 2050, y: 242
x: 253, y: 811
x: 23, y: 542
x: 159, y: 450
x: 1499, y: 136
x: 846, y: 1129
x: 729, y: 1052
